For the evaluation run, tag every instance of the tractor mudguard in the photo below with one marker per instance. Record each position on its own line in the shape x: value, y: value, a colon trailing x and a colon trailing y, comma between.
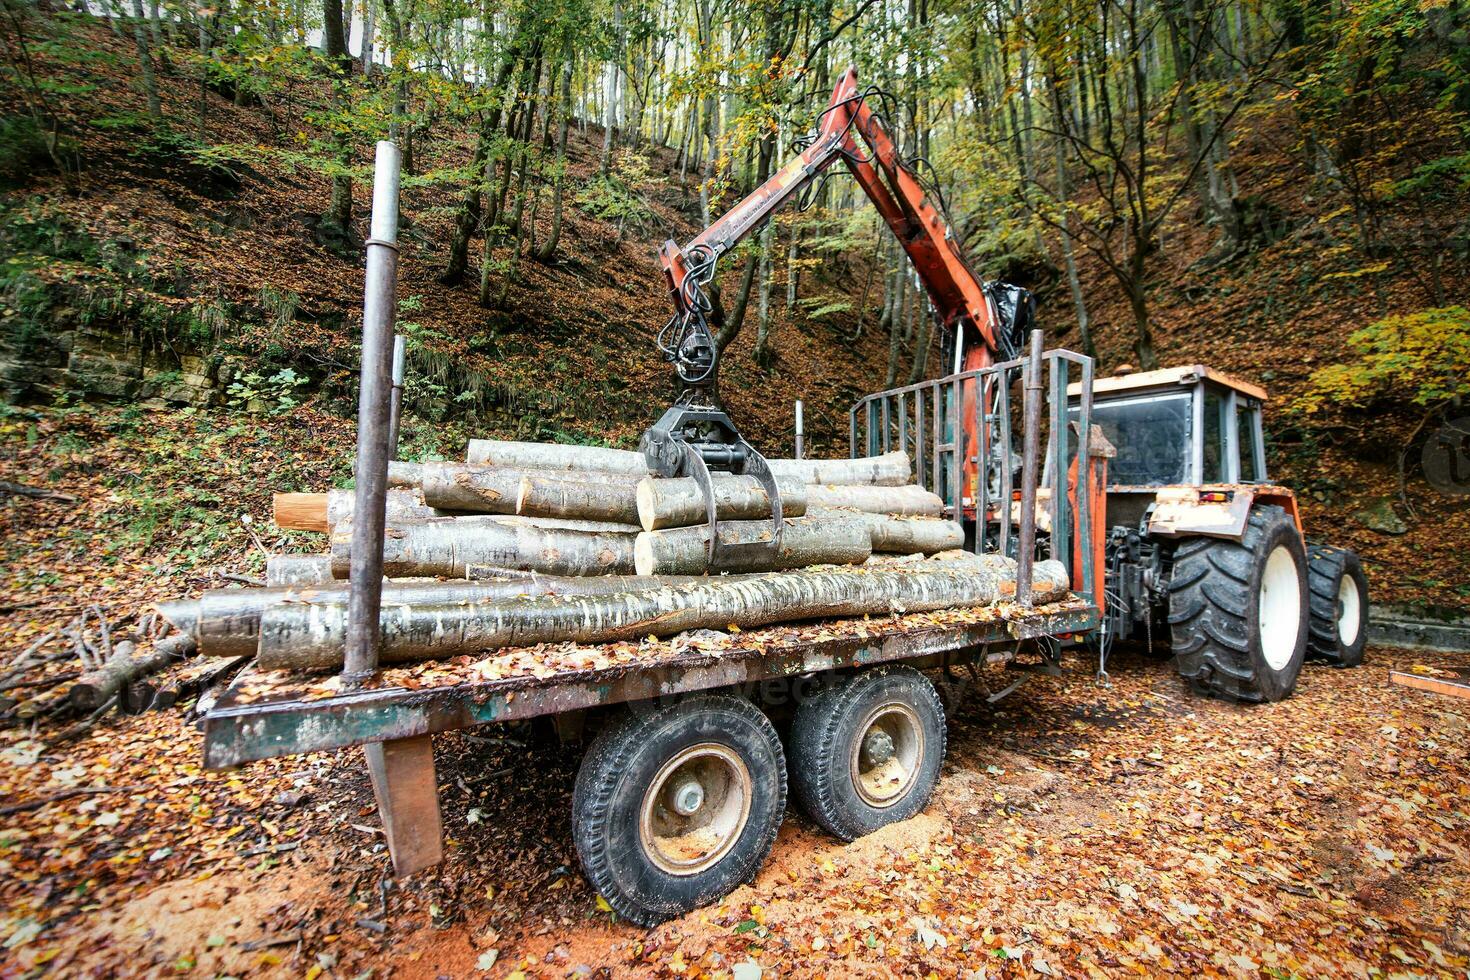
x: 1215, y: 511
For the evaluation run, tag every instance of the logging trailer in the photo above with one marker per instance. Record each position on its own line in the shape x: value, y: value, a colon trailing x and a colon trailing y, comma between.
x: 1150, y: 489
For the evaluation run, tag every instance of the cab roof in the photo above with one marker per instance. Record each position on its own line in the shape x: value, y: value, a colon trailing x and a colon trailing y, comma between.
x: 1182, y: 375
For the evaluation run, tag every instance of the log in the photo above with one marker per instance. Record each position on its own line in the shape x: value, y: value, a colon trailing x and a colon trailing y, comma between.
x: 321, y: 511
x: 908, y: 501
x: 195, y: 678
x: 111, y: 680
x: 609, y: 498
x: 555, y: 456
x: 890, y: 469
x: 681, y: 503
x: 804, y: 542
x: 226, y: 622
x: 902, y: 535
x: 445, y: 547
x: 475, y: 489
x: 298, y: 570
x: 402, y: 474
x: 310, y: 638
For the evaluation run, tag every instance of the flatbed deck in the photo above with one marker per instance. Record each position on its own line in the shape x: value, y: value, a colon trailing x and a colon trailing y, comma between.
x: 265, y: 715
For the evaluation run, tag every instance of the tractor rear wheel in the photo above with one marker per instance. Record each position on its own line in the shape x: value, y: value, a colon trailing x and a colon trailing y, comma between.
x: 1238, y: 610
x: 1338, y: 595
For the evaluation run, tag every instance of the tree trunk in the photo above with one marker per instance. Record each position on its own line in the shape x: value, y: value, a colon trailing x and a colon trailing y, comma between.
x: 763, y: 308
x: 482, y: 171
x: 680, y: 503
x: 447, y: 548
x: 295, y: 636
x: 548, y: 247
x: 804, y: 542
x: 369, y: 36
x: 496, y: 490
x: 145, y: 64
x: 226, y: 622
x: 908, y: 501
x: 607, y: 499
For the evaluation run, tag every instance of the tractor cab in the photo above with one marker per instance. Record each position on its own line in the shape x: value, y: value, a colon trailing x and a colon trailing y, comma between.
x: 1189, y: 449
x: 1179, y: 426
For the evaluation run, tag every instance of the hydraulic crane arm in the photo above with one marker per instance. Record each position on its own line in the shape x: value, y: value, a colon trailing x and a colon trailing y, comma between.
x: 695, y: 436
x: 956, y: 292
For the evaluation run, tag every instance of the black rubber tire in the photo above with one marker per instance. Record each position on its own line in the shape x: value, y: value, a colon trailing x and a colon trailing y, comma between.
x: 619, y: 766
x: 1326, y: 569
x: 1214, y: 611
x: 821, y: 744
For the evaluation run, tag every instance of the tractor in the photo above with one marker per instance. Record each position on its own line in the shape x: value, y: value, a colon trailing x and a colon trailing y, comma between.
x: 1203, y: 551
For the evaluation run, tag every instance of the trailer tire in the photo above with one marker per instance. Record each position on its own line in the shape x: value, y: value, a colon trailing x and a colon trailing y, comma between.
x: 676, y: 807
x: 1338, y: 597
x: 1238, y: 610
x: 833, y: 772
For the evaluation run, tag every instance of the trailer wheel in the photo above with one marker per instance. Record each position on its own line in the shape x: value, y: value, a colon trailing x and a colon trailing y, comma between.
x: 674, y: 809
x: 1238, y: 610
x: 866, y: 750
x: 1338, y: 596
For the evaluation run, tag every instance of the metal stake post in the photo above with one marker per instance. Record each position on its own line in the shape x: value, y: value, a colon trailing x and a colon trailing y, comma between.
x: 395, y: 401
x: 360, y: 660
x: 1030, y: 457
x: 799, y: 433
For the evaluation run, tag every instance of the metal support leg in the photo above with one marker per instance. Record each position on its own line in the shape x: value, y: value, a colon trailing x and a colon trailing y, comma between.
x: 402, y: 771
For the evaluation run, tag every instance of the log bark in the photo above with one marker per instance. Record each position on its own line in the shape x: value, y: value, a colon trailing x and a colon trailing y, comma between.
x: 446, y: 547
x: 310, y: 638
x: 608, y: 498
x: 474, y: 489
x: 555, y: 456
x: 891, y: 469
x: 681, y: 503
x: 908, y: 501
x: 226, y: 622
x: 321, y: 511
x: 402, y: 474
x: 97, y: 687
x: 804, y: 542
x: 298, y: 570
x: 893, y: 534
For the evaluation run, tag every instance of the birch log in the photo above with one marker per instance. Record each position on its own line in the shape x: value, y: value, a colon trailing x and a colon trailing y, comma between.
x: 611, y: 497
x: 901, y: 535
x: 890, y: 469
x: 681, y: 503
x: 445, y: 547
x: 322, y: 511
x: 478, y: 489
x: 226, y: 622
x: 908, y: 501
x: 684, y: 550
x: 402, y: 474
x: 555, y: 456
x: 298, y: 569
x: 310, y: 637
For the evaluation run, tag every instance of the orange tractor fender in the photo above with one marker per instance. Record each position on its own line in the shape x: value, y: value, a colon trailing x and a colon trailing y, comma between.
x: 1215, y: 510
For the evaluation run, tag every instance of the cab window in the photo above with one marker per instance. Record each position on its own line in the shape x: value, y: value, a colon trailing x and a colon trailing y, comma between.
x: 1216, y: 425
x: 1245, y: 421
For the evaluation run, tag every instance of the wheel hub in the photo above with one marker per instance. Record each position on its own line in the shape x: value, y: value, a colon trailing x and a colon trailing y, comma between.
x: 877, y: 748
x: 887, y: 754
x: 695, y: 808
x: 687, y: 797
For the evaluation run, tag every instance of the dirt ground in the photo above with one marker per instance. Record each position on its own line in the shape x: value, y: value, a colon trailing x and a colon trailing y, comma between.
x: 1080, y: 828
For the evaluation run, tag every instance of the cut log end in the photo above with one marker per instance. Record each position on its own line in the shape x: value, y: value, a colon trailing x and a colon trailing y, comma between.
x: 300, y: 511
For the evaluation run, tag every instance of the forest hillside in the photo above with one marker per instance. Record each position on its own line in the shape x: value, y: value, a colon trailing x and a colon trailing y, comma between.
x: 186, y: 193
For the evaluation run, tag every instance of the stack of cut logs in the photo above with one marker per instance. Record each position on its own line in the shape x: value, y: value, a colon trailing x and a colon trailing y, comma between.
x: 552, y: 543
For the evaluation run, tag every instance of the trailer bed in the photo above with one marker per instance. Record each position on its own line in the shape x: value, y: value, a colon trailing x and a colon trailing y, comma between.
x: 265, y: 715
